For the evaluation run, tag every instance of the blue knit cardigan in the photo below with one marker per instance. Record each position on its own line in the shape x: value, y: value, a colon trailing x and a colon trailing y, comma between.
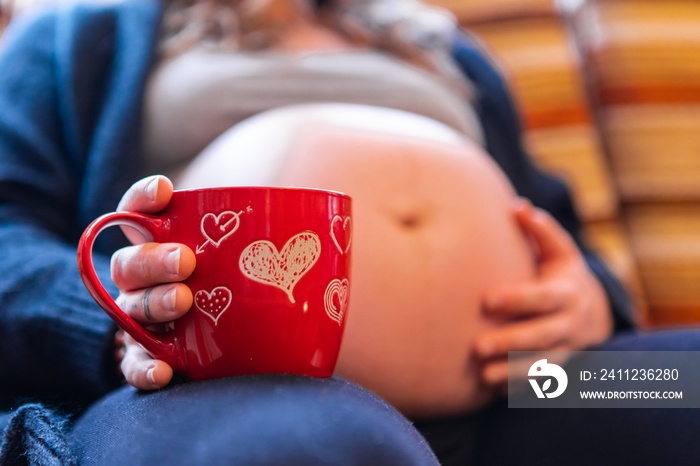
x: 72, y: 79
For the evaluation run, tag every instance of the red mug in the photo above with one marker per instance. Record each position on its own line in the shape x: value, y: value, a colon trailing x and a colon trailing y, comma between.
x: 271, y: 283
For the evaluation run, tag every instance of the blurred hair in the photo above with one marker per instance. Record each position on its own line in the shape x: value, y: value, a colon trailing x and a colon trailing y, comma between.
x: 409, y: 29
x: 380, y: 21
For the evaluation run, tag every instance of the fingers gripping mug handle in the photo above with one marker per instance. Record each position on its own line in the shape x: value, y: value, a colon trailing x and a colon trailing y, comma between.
x: 161, y: 346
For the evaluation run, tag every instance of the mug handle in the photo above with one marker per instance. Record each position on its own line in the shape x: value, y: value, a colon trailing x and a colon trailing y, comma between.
x: 152, y: 227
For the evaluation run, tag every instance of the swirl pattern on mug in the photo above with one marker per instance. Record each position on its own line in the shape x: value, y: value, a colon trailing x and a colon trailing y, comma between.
x: 336, y: 299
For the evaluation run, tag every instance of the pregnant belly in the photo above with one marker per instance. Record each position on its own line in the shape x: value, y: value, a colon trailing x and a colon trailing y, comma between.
x: 432, y: 231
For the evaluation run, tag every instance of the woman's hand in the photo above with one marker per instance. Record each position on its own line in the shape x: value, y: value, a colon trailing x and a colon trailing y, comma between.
x: 148, y: 277
x: 563, y: 308
x: 6, y: 14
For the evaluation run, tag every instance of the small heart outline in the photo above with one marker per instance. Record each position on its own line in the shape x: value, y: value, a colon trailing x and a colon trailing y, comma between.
x: 346, y: 222
x: 225, y: 228
x: 206, y: 296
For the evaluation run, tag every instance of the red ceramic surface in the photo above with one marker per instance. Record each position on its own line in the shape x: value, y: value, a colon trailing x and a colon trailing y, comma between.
x: 271, y: 285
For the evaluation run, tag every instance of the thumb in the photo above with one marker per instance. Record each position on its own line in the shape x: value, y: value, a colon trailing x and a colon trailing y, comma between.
x: 551, y: 239
x: 148, y: 195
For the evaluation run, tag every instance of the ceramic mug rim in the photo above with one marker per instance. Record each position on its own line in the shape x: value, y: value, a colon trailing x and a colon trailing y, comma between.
x: 290, y: 189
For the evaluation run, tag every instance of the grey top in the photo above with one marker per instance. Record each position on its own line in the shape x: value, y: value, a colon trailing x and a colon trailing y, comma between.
x: 195, y: 97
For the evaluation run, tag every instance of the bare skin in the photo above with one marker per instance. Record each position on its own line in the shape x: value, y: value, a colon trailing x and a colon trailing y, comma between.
x: 563, y: 308
x: 563, y: 297
x: 148, y: 276
x: 6, y: 11
x: 559, y: 306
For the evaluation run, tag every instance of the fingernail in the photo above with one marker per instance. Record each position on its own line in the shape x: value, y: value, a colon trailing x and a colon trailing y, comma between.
x: 491, y: 377
x: 169, y: 298
x: 485, y: 348
x: 151, y: 374
x: 172, y: 262
x: 152, y: 188
x: 493, y: 302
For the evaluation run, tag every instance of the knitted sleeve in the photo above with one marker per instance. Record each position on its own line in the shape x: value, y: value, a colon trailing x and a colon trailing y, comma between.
x: 54, y: 340
x: 35, y: 435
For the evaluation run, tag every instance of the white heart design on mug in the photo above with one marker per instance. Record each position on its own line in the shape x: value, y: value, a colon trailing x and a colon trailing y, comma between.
x: 262, y: 262
x: 217, y: 228
x: 341, y: 231
x: 213, y: 304
x: 337, y: 289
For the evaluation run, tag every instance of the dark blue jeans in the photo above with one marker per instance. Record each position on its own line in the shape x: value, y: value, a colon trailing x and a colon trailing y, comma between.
x: 253, y: 420
x: 502, y: 436
x: 298, y: 420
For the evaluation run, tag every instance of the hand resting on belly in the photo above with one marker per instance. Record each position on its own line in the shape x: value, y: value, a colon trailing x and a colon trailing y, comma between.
x: 433, y: 229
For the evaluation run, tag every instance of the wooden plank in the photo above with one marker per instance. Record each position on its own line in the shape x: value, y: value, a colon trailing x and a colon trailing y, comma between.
x: 473, y: 11
x: 609, y: 240
x: 654, y: 150
x: 665, y: 239
x: 574, y: 154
